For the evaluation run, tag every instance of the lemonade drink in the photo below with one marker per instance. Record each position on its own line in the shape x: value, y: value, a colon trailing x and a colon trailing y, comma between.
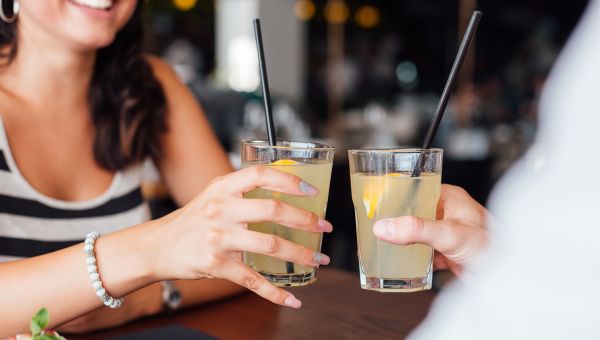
x: 385, y: 266
x: 316, y: 172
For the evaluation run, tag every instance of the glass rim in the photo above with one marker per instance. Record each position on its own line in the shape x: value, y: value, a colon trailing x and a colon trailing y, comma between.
x: 396, y: 150
x: 264, y: 144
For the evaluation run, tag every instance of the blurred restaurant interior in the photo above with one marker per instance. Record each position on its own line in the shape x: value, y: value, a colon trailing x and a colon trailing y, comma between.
x: 359, y: 73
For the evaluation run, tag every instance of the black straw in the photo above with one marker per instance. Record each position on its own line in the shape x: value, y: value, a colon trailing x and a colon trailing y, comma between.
x: 289, y: 266
x: 265, y: 83
x: 450, y: 83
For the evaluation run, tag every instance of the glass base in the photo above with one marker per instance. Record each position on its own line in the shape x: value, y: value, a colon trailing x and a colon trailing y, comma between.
x: 386, y: 285
x: 290, y: 280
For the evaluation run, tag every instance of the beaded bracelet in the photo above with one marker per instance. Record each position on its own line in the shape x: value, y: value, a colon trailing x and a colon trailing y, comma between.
x: 90, y: 259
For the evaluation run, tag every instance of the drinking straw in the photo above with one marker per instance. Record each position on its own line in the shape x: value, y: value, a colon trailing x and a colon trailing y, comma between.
x: 265, y: 83
x: 450, y: 83
x: 267, y: 98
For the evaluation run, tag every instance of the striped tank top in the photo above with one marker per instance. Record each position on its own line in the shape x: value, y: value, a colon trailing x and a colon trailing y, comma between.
x: 32, y: 223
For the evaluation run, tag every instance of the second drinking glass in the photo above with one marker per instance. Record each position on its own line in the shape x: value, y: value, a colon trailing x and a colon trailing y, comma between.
x: 385, y: 185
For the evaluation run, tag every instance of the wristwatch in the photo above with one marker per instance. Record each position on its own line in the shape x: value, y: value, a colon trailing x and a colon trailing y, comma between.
x: 171, y: 296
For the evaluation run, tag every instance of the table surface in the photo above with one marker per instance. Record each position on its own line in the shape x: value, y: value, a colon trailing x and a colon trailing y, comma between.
x: 335, y: 307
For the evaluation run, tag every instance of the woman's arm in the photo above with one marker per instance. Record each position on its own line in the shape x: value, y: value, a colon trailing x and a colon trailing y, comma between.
x: 192, y: 155
x: 201, y: 239
x: 60, y: 282
x: 191, y: 158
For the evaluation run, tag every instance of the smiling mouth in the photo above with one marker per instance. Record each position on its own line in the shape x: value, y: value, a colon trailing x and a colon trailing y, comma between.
x: 95, y: 4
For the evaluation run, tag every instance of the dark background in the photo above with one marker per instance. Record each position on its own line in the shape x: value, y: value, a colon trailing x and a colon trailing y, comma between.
x: 496, y: 105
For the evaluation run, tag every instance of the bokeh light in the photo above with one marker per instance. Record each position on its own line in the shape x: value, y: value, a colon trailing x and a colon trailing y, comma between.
x: 304, y: 9
x: 336, y: 12
x: 407, y: 75
x: 367, y: 16
x: 184, y: 5
x: 243, y: 65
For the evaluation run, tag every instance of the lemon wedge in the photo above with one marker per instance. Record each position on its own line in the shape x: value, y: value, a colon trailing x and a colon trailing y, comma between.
x: 276, y: 194
x: 372, y: 194
x: 284, y: 162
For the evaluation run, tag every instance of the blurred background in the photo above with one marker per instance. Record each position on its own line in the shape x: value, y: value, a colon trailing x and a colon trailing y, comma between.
x: 357, y: 73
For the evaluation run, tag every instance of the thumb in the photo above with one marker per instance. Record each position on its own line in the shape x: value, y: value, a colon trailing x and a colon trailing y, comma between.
x: 440, y: 235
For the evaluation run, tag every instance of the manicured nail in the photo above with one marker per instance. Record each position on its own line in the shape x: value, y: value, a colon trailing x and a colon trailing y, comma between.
x: 384, y: 229
x: 291, y: 301
x: 324, y: 226
x: 308, y: 189
x: 321, y: 258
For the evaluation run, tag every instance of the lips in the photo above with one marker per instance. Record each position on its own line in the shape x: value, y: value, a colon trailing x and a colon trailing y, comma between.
x: 95, y: 4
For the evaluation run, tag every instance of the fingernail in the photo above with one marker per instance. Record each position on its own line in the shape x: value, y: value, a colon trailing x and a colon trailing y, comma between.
x: 324, y: 226
x: 308, y: 189
x: 291, y: 301
x: 321, y: 258
x: 384, y: 228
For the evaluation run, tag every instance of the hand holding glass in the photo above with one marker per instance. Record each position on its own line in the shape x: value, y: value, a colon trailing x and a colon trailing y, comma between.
x: 312, y: 163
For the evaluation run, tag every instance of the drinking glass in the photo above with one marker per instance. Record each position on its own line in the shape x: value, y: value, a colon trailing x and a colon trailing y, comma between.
x: 311, y: 162
x: 384, y: 185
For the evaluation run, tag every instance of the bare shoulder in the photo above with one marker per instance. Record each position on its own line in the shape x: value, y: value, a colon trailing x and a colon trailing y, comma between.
x: 183, y: 108
x: 163, y: 72
x: 179, y: 97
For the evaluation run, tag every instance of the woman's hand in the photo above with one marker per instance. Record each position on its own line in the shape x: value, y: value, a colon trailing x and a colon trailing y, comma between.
x: 206, y: 237
x: 457, y: 235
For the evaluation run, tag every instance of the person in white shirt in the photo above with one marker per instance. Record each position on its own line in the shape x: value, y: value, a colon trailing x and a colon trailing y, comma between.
x: 536, y: 278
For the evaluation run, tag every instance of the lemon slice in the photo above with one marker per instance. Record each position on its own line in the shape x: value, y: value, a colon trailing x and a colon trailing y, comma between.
x: 276, y: 194
x: 372, y: 194
x: 394, y: 174
x: 284, y: 162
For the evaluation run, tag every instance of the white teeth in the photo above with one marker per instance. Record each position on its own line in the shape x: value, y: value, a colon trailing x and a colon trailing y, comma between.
x: 99, y: 4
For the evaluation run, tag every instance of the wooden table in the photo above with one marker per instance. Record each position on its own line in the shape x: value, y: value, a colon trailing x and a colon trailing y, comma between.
x: 335, y: 307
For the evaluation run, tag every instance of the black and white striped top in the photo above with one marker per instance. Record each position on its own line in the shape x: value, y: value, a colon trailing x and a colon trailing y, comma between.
x: 32, y: 223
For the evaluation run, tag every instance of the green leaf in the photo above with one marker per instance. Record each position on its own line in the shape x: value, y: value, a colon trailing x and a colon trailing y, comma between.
x: 47, y: 337
x: 35, y: 328
x: 39, y: 322
x: 54, y: 337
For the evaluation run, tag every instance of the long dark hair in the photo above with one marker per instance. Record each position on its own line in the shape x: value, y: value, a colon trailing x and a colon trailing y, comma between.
x: 126, y: 101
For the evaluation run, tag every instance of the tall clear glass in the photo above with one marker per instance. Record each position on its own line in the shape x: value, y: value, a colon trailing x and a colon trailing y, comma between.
x: 382, y: 187
x: 310, y: 161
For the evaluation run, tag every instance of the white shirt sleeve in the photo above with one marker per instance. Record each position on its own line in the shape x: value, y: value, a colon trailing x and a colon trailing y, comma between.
x: 539, y: 279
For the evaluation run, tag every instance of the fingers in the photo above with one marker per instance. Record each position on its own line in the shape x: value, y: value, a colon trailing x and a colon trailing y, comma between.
x: 439, y: 261
x: 245, y: 277
x: 261, y: 210
x: 260, y: 176
x: 456, y: 203
x: 441, y: 235
x: 274, y: 246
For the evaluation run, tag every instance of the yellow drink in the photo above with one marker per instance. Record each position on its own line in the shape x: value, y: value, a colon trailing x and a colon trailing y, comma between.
x: 316, y: 173
x: 384, y: 266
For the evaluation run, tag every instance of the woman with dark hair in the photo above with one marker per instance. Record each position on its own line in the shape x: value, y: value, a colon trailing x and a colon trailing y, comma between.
x: 80, y: 108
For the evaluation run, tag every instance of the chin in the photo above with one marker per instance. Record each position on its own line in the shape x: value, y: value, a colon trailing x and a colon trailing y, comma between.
x: 96, y: 46
x: 93, y: 41
x: 82, y: 24
x: 98, y: 20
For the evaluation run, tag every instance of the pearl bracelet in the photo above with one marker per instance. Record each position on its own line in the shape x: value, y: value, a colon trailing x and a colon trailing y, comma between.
x: 90, y: 259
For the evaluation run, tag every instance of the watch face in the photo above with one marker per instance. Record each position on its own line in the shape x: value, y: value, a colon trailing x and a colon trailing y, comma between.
x: 171, y: 296
x: 174, y: 299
